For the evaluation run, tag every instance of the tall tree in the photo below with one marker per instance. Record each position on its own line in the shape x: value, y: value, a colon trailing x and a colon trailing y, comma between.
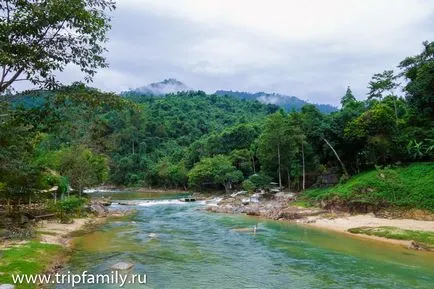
x: 348, y: 97
x: 40, y: 37
x: 419, y: 71
x: 277, y: 145
x: 382, y: 84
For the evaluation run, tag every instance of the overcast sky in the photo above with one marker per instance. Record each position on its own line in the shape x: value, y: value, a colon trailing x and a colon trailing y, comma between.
x: 310, y: 49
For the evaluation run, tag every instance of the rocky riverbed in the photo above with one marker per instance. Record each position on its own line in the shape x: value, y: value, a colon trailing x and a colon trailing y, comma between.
x: 280, y: 206
x: 275, y: 206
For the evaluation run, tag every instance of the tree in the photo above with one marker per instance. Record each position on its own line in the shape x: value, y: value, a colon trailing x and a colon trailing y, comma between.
x: 82, y: 167
x: 376, y: 127
x: 242, y: 160
x: 217, y: 169
x: 348, y: 97
x: 18, y: 173
x: 277, y: 145
x: 419, y: 71
x: 315, y: 125
x: 382, y: 83
x: 41, y: 37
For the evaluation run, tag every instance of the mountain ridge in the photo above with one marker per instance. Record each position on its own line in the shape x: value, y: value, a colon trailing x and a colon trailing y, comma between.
x: 172, y: 85
x: 288, y: 102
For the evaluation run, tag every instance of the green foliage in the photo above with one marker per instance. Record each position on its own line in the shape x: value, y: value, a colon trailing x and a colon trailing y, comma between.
x: 69, y: 207
x: 348, y: 98
x: 81, y: 166
x: 84, y: 137
x: 18, y: 173
x: 278, y: 145
x: 376, y: 127
x: 408, y: 187
x: 260, y: 181
x: 419, y: 71
x: 419, y: 150
x: 29, y: 258
x: 424, y: 237
x: 382, y: 83
x: 249, y: 186
x: 36, y: 39
x: 217, y: 170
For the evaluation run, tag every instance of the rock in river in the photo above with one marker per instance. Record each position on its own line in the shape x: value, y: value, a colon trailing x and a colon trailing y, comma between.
x: 98, y: 209
x: 122, y: 266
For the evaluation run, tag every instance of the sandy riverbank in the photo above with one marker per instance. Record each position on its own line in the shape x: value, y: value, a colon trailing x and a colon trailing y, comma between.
x: 343, y: 223
x: 281, y: 209
x: 53, y: 232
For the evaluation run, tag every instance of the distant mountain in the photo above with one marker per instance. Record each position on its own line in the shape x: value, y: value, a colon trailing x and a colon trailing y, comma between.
x: 172, y: 85
x: 164, y: 87
x: 287, y: 102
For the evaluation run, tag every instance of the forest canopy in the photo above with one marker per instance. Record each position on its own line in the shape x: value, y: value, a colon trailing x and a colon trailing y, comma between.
x: 192, y: 139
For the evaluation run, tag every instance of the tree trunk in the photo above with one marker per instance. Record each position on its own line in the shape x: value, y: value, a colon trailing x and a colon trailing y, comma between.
x: 289, y: 180
x: 304, y: 168
x: 396, y: 109
x: 278, y: 159
x: 337, y: 156
x: 226, y: 185
x: 253, y: 164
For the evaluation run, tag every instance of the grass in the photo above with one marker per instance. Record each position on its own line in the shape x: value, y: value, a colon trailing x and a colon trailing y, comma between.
x: 422, y: 237
x: 407, y: 187
x: 30, y: 258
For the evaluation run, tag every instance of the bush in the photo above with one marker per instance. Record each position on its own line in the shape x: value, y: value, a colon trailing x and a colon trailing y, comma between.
x: 260, y: 181
x: 69, y: 207
x: 248, y: 186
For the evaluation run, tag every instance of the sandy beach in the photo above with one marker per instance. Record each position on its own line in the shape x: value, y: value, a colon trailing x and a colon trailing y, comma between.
x: 342, y: 224
x: 53, y: 232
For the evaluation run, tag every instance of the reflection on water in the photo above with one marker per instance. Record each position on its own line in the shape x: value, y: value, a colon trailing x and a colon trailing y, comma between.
x: 182, y: 246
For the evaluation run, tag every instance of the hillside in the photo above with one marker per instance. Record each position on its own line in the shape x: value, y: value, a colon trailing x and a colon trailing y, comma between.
x: 287, y: 102
x: 187, y: 116
x: 144, y: 137
x: 172, y: 86
x: 404, y: 187
x: 164, y: 87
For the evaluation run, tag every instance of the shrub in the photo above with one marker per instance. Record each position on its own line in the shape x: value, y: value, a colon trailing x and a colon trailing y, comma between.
x: 69, y: 207
x: 260, y: 181
x: 248, y: 186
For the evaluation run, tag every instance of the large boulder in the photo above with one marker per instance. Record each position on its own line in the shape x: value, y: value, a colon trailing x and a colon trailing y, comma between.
x: 98, y: 209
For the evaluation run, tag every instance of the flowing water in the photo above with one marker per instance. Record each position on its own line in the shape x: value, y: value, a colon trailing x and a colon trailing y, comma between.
x: 179, y: 245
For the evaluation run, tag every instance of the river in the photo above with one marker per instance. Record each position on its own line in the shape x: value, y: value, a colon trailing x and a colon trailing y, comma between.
x: 179, y: 245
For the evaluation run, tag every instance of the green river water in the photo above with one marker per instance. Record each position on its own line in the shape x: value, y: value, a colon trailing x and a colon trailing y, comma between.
x: 197, y: 249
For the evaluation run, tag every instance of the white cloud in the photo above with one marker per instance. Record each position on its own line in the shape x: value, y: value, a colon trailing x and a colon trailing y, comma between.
x: 311, y: 49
